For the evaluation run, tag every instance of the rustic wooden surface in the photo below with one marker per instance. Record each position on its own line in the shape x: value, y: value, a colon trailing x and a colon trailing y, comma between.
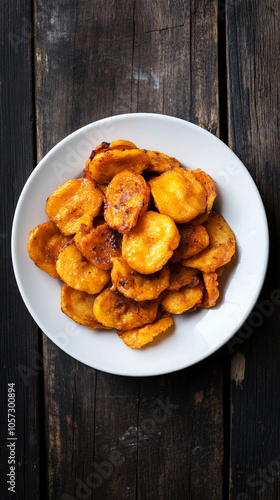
x: 20, y: 343
x: 207, y: 432
x: 253, y: 102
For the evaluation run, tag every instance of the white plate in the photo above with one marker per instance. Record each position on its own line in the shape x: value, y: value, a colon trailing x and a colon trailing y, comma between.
x: 195, y: 335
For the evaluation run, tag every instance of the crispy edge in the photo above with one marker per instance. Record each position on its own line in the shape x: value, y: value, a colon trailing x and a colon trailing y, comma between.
x: 139, y: 337
x: 193, y: 240
x: 120, y: 211
x: 74, y: 270
x: 58, y: 206
x: 211, y: 292
x: 210, y: 187
x: 175, y: 295
x: 106, y: 164
x: 122, y: 275
x: 89, y: 244
x: 44, y: 261
x: 160, y: 162
x: 115, y: 301
x: 227, y: 248
x: 181, y: 276
x: 67, y: 303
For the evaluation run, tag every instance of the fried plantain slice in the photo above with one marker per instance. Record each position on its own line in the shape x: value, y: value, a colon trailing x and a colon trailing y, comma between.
x: 178, y: 194
x: 181, y: 276
x: 127, y: 197
x: 79, y: 307
x: 105, y: 146
x: 159, y: 162
x: 221, y: 269
x: 104, y: 165
x: 210, y: 187
x: 76, y: 202
x: 139, y: 337
x: 220, y: 249
x: 135, y: 285
x: 114, y: 310
x: 121, y: 144
x: 193, y: 240
x: 86, y: 174
x: 78, y: 272
x: 151, y: 243
x: 179, y: 301
x: 211, y: 292
x: 45, y: 243
x: 99, y: 245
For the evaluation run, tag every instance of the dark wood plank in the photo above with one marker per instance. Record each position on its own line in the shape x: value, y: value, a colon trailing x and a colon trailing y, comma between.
x: 70, y: 422
x: 21, y: 358
x: 253, y: 87
x: 96, y: 60
x: 116, y: 439
x: 181, y: 434
x: 83, y: 68
x: 177, y: 67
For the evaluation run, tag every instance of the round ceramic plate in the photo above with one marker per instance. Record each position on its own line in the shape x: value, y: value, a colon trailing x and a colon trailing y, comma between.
x: 195, y: 335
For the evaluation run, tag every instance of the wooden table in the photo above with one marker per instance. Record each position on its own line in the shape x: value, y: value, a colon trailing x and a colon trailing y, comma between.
x: 207, y: 432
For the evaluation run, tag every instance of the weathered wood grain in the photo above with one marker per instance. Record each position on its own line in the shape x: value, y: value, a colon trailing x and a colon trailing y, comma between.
x: 177, y: 67
x: 21, y: 358
x: 159, y: 437
x: 181, y: 434
x: 253, y: 99
x: 107, y: 436
x: 83, y: 63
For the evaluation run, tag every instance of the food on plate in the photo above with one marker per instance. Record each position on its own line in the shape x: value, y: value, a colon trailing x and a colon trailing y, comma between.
x: 103, y: 165
x: 76, y: 202
x: 137, y: 286
x: 181, y: 276
x: 220, y: 249
x: 127, y: 197
x: 99, y: 245
x: 179, y: 194
x: 179, y: 301
x: 151, y: 243
x: 138, y: 337
x: 45, y: 243
x: 210, y: 187
x: 211, y: 290
x: 78, y: 272
x: 114, y: 310
x: 79, y: 307
x: 134, y: 240
x: 159, y: 162
x: 193, y: 239
x: 221, y: 269
x: 120, y: 144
